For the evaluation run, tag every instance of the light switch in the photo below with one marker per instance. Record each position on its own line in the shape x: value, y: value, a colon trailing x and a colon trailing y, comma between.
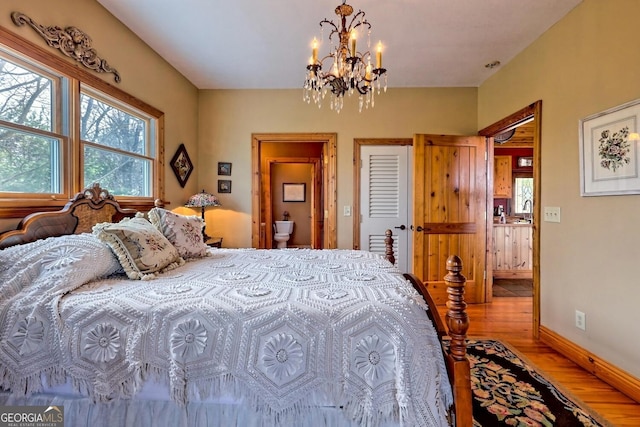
x: 551, y: 214
x: 347, y: 211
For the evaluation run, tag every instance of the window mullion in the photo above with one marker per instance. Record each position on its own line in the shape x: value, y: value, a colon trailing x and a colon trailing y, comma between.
x: 75, y: 155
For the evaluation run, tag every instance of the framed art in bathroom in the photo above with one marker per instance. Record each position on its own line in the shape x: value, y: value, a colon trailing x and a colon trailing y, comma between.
x: 609, y: 163
x: 293, y: 192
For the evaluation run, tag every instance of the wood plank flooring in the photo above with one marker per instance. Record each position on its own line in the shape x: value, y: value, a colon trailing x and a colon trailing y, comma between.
x: 509, y: 320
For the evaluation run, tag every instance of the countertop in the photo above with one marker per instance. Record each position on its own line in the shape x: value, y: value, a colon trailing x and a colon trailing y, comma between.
x: 510, y: 222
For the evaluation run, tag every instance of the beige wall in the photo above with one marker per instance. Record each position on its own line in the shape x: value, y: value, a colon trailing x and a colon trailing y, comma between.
x: 586, y: 63
x: 144, y: 73
x: 229, y: 117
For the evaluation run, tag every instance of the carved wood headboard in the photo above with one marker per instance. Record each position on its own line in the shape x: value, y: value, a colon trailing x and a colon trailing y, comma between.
x: 87, y: 208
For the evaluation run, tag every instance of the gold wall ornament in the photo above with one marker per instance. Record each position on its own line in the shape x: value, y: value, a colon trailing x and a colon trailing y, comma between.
x: 71, y: 41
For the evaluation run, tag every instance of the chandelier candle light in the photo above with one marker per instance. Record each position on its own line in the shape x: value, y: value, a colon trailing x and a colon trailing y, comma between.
x: 202, y: 200
x: 350, y: 71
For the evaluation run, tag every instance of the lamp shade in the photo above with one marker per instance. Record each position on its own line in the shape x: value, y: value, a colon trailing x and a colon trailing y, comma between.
x: 202, y: 199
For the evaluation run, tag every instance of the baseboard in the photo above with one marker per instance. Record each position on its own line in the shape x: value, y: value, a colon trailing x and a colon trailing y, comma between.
x: 615, y: 377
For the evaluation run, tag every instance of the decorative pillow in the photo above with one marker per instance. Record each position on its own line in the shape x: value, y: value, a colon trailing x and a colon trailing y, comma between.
x: 184, y: 232
x: 141, y: 249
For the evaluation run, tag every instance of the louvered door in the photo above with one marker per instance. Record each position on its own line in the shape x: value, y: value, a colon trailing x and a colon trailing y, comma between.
x: 385, y: 198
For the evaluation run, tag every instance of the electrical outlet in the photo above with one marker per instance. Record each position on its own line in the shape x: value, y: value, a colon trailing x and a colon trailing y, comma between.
x: 581, y: 320
x: 551, y: 214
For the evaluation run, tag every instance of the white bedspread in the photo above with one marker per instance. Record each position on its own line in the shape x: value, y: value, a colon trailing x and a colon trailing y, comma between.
x: 284, y: 330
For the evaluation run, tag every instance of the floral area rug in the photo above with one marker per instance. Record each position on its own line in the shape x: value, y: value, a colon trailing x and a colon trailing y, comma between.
x: 509, y: 390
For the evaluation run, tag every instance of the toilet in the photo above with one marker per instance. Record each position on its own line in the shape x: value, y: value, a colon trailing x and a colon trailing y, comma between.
x: 283, y: 230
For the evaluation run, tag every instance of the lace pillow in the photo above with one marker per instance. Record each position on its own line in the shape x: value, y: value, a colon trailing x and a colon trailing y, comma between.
x: 184, y: 232
x: 141, y: 249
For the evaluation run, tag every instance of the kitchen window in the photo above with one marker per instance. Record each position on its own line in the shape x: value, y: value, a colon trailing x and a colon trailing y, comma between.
x: 523, y: 195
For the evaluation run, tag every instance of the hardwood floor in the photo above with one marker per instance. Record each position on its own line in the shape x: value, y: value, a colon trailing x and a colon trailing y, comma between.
x: 509, y: 320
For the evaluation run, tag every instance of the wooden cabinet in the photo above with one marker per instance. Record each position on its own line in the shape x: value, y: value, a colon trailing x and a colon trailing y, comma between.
x: 502, y: 177
x: 512, y: 251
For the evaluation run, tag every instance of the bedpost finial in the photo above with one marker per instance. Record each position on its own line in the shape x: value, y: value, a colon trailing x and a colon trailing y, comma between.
x: 456, y: 317
x: 388, y: 247
x: 454, y: 264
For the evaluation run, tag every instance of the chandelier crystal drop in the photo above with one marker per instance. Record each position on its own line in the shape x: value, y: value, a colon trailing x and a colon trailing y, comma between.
x: 347, y: 71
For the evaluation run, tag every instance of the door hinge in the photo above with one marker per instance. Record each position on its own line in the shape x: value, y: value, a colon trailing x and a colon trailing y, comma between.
x: 486, y: 156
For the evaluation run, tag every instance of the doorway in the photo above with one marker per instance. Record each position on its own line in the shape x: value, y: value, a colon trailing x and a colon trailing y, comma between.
x: 294, y: 195
x: 316, y: 149
x: 530, y: 113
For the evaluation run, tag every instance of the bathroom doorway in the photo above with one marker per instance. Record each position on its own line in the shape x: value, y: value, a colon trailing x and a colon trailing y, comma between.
x: 294, y: 196
x: 271, y: 151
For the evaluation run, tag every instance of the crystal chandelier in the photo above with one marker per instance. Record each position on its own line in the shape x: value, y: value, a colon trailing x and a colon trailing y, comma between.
x: 350, y: 71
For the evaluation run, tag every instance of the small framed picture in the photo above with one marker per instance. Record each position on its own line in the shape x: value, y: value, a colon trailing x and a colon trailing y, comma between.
x: 224, y: 168
x: 181, y: 165
x: 224, y: 186
x: 293, y: 192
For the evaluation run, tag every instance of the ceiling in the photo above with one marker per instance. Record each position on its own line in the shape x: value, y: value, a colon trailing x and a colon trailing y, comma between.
x: 259, y: 44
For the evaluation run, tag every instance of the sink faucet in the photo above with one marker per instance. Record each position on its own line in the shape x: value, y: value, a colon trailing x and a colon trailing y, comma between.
x: 529, y: 211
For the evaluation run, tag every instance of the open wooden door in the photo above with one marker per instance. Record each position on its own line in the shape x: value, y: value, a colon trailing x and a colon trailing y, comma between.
x: 450, y: 206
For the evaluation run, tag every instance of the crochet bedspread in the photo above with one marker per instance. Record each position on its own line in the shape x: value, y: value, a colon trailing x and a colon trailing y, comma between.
x: 283, y: 330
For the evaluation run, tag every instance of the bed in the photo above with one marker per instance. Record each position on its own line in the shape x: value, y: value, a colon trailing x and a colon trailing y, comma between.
x: 248, y: 337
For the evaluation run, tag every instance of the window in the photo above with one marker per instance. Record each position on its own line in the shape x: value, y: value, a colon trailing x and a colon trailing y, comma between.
x: 62, y: 129
x: 30, y: 141
x: 116, y: 146
x: 523, y: 195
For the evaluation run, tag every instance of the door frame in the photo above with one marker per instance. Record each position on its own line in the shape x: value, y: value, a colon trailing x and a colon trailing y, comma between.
x: 512, y: 121
x: 357, y: 161
x: 329, y: 188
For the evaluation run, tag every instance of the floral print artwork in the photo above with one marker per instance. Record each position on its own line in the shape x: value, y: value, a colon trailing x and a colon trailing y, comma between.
x: 614, y: 149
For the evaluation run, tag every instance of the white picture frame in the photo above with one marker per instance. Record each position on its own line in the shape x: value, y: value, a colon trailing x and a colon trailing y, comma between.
x: 609, y: 163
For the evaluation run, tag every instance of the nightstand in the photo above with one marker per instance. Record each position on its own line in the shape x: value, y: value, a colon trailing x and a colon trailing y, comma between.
x: 214, y: 242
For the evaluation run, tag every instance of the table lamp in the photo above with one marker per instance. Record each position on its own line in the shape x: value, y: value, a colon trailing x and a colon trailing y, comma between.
x: 202, y: 200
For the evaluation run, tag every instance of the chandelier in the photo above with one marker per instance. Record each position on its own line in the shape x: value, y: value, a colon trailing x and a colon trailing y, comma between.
x: 350, y: 71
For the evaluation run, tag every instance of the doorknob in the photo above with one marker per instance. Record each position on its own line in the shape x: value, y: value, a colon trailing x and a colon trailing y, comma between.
x: 402, y: 227
x: 419, y: 228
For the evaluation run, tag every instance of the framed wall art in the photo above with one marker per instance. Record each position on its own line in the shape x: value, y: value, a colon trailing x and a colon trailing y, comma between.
x: 224, y: 186
x: 609, y: 162
x: 224, y: 168
x: 181, y: 165
x: 293, y: 192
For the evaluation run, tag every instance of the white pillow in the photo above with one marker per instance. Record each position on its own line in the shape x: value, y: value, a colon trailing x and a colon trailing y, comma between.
x: 141, y: 249
x: 184, y: 232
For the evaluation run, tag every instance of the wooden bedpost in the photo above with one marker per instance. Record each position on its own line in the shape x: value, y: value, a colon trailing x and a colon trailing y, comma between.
x: 458, y: 324
x: 388, y: 247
